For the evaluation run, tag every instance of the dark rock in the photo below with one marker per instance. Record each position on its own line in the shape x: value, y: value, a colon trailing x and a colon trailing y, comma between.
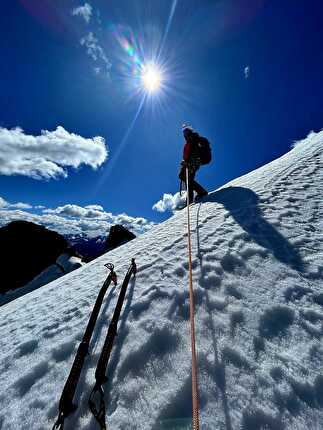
x: 26, y: 249
x: 118, y: 235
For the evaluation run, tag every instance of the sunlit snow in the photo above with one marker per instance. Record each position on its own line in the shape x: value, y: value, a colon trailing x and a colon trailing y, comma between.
x: 257, y: 272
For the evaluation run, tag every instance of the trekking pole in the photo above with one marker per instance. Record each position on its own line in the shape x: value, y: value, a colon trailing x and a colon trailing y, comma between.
x: 100, y: 377
x: 195, y: 401
x: 66, y: 405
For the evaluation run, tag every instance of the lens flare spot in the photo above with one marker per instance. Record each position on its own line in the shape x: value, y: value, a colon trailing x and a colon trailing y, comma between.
x: 151, y: 78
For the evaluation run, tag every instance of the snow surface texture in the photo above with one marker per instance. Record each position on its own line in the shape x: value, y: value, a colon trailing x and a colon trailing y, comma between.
x: 65, y: 263
x: 257, y: 258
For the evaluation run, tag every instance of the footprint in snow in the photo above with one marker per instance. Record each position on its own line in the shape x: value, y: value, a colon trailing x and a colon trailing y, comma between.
x: 179, y: 272
x: 232, y: 290
x: 312, y: 315
x: 51, y: 327
x: 236, y: 318
x: 311, y: 394
x: 38, y: 404
x: 277, y: 373
x: 180, y: 307
x: 232, y: 264
x: 236, y: 358
x: 294, y: 294
x: 160, y: 344
x: 318, y: 298
x: 25, y: 383
x: 177, y: 414
x: 275, y: 321
x: 258, y: 345
x: 27, y: 348
x: 258, y: 419
x: 155, y: 294
x: 314, y: 330
x: 217, y: 303
x: 63, y: 351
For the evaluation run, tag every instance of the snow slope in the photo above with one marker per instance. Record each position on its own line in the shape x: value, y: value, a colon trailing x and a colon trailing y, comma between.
x: 257, y: 258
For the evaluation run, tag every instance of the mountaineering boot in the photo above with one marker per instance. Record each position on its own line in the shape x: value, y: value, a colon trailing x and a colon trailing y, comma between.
x: 200, y: 196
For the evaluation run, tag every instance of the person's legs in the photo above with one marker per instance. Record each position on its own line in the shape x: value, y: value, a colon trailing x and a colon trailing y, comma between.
x: 182, y: 177
x: 199, y: 189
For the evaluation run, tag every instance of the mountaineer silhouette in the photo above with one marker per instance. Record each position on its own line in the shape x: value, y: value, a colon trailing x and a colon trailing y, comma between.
x: 196, y: 152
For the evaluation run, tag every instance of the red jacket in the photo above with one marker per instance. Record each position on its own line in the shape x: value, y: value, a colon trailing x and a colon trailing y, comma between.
x: 187, y: 151
x: 191, y: 150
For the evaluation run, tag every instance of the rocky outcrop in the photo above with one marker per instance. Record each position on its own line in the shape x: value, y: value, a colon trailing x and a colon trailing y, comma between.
x: 26, y: 250
x: 118, y: 235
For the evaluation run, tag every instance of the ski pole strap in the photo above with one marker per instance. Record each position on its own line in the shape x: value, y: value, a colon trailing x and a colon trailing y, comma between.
x: 195, y: 401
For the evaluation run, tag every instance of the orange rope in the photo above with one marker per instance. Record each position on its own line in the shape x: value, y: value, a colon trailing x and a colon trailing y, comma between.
x: 195, y: 401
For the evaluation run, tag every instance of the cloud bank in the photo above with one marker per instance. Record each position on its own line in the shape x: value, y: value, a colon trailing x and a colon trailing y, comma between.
x: 91, y: 220
x: 83, y: 11
x: 6, y: 205
x: 170, y: 202
x: 46, y: 156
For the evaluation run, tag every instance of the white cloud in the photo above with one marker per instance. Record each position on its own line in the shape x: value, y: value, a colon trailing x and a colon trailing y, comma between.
x: 77, y: 221
x: 95, y: 213
x: 128, y: 221
x: 170, y: 202
x: 3, y: 203
x: 94, y: 207
x: 247, y: 72
x: 92, y: 211
x: 84, y: 11
x: 46, y: 155
x: 96, y: 53
x: 19, y: 205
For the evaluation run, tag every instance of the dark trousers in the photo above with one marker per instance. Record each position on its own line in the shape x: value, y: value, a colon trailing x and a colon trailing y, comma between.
x: 192, y: 184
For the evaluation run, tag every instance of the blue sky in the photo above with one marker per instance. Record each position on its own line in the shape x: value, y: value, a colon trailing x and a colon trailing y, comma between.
x: 248, y: 77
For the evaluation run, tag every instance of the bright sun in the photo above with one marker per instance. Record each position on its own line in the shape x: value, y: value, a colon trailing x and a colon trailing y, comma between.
x: 151, y: 78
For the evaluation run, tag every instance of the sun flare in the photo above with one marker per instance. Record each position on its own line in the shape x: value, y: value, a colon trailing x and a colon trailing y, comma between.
x: 151, y: 78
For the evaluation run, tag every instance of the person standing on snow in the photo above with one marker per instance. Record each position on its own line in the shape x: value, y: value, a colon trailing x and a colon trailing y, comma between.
x: 193, y: 157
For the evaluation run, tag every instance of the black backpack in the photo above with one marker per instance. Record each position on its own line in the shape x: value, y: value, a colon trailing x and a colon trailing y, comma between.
x: 205, y: 154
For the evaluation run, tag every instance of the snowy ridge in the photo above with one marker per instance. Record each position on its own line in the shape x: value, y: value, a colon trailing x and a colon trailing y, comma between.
x: 257, y: 259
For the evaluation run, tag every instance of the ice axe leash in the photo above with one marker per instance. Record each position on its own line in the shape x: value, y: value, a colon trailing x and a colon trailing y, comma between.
x: 195, y: 400
x: 96, y: 400
x: 66, y: 405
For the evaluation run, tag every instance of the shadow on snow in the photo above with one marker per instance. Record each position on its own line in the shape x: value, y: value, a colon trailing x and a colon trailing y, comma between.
x: 242, y: 204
